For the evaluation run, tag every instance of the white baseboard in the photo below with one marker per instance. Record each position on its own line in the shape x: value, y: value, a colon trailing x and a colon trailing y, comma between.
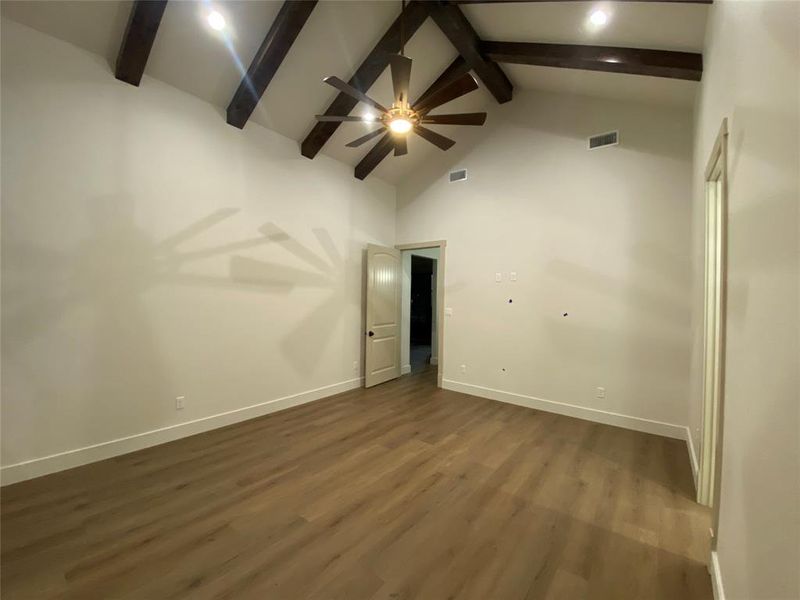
x: 716, y: 577
x: 81, y: 456
x: 571, y: 410
x: 405, y: 369
x: 692, y: 456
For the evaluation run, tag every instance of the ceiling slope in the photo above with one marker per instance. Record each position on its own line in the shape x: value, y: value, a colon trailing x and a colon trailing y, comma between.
x: 339, y: 36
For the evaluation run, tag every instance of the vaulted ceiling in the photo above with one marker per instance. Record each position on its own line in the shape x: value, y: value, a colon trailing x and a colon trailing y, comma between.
x: 336, y: 37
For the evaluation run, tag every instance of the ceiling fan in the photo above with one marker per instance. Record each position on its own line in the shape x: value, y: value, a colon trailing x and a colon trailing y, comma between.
x: 404, y: 118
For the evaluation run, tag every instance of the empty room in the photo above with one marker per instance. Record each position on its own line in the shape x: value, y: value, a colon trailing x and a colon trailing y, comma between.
x: 400, y: 299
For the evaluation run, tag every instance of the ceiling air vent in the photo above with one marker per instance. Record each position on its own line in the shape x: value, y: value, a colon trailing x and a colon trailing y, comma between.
x: 459, y: 175
x: 604, y: 139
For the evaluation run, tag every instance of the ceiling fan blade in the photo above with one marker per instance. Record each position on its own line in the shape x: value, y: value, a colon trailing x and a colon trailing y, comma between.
x: 335, y: 119
x: 400, y: 145
x: 458, y: 87
x: 462, y: 119
x: 373, y: 158
x: 401, y: 78
x: 434, y: 138
x: 352, y: 92
x: 365, y: 138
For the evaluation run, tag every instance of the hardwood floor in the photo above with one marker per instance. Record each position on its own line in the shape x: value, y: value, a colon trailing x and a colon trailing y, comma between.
x: 401, y: 491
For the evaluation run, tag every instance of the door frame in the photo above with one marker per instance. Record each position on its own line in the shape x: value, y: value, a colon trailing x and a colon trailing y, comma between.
x: 441, y: 245
x: 715, y: 192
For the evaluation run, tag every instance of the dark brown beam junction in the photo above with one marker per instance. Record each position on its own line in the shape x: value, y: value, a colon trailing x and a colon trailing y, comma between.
x: 459, y: 31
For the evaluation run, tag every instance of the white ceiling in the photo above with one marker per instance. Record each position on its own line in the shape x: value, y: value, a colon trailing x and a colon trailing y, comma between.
x: 339, y: 34
x: 656, y: 25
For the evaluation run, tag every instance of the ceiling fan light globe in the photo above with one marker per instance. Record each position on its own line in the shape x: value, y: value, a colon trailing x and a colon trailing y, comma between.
x: 400, y: 125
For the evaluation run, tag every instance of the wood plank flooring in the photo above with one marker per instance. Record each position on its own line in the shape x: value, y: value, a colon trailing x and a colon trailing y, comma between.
x: 402, y: 491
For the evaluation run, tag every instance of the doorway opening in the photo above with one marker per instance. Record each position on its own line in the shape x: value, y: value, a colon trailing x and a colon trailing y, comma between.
x: 714, y: 328
x: 422, y: 308
x: 387, y: 311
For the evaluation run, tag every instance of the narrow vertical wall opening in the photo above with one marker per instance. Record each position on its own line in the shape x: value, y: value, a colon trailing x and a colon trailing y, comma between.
x: 714, y: 327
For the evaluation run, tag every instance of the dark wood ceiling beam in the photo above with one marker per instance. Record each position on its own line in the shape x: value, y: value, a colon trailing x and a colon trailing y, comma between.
x: 279, y: 39
x: 137, y: 42
x: 656, y: 63
x: 382, y: 149
x: 461, y: 34
x: 367, y: 73
x: 533, y: 1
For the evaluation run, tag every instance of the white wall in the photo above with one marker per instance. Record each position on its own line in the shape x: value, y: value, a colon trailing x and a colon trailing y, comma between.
x: 752, y: 77
x: 603, y: 236
x: 150, y: 250
x: 405, y: 320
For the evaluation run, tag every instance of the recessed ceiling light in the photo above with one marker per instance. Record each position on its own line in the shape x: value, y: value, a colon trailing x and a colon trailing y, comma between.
x: 598, y: 18
x: 216, y: 20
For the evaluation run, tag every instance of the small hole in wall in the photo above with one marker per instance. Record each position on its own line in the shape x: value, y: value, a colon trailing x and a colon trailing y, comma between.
x: 565, y: 315
x: 510, y: 301
x: 503, y: 369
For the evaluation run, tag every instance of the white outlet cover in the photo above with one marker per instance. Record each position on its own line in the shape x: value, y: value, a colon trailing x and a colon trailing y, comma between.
x: 448, y: 312
x: 513, y: 276
x: 498, y: 277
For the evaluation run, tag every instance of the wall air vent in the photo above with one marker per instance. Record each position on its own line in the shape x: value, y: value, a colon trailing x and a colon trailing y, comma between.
x: 604, y: 139
x: 459, y: 175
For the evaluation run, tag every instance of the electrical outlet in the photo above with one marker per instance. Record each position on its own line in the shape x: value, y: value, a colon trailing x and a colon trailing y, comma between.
x: 600, y: 393
x: 355, y: 366
x: 463, y: 368
x: 498, y: 277
x: 179, y: 402
x: 513, y: 276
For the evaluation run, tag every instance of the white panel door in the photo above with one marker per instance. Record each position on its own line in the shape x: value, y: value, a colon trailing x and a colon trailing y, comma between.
x: 383, y: 315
